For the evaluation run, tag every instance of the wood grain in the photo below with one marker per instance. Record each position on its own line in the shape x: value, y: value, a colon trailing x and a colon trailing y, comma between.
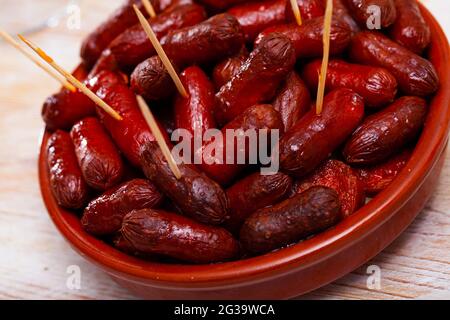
x: 34, y: 258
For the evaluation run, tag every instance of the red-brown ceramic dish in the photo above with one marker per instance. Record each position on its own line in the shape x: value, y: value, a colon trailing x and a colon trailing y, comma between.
x: 302, y: 267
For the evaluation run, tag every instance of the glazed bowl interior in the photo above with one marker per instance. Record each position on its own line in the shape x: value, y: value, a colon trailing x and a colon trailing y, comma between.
x: 376, y: 212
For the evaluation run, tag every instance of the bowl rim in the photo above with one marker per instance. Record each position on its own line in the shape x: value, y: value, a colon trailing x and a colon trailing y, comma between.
x: 303, y: 254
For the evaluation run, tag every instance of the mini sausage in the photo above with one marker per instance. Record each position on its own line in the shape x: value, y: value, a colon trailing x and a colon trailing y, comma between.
x: 228, y: 68
x: 195, y: 194
x: 161, y: 232
x: 98, y: 157
x: 257, y: 80
x: 410, y: 29
x: 384, y: 133
x: 366, y: 10
x: 66, y: 181
x: 415, y: 75
x: 376, y: 85
x: 315, y: 137
x: 293, y: 100
x: 309, y: 212
x: 340, y: 11
x: 309, y: 9
x: 307, y: 38
x: 254, y: 192
x: 104, y: 214
x: 221, y: 4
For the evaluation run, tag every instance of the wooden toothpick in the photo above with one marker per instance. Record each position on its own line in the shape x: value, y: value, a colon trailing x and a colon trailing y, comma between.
x: 165, y: 60
x: 81, y: 86
x: 158, y: 136
x: 149, y: 8
x: 44, y: 67
x: 296, y: 11
x: 326, y: 55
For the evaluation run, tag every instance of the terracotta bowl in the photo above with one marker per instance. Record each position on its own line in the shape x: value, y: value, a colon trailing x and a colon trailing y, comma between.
x: 302, y: 267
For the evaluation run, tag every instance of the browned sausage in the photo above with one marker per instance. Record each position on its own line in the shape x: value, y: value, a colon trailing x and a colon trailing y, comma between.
x: 228, y: 68
x: 254, y: 192
x: 161, y: 232
x: 98, y: 157
x: 309, y: 9
x: 194, y: 193
x: 340, y: 11
x: 315, y: 137
x: 312, y: 211
x: 66, y: 181
x: 104, y: 214
x: 257, y: 80
x: 410, y: 29
x: 293, y: 100
x: 377, y: 86
x: 221, y: 4
x: 384, y: 133
x: 361, y: 11
x: 415, y: 75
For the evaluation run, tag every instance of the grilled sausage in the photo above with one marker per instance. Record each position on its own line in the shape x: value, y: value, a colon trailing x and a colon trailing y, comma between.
x: 228, y: 68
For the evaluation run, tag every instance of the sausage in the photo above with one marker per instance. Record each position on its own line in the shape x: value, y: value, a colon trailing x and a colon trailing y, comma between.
x: 66, y: 181
x: 210, y: 41
x: 315, y: 137
x: 343, y: 179
x: 194, y: 194
x: 293, y: 100
x: 123, y: 18
x: 340, y: 11
x: 410, y: 29
x: 133, y: 46
x: 161, y: 232
x: 130, y: 133
x: 361, y: 11
x: 384, y: 133
x: 307, y: 38
x: 294, y: 219
x: 63, y: 109
x: 98, y: 157
x: 254, y: 192
x: 377, y: 178
x: 104, y: 214
x: 254, y: 17
x: 255, y: 119
x: 309, y: 9
x: 166, y: 4
x: 221, y: 4
x: 415, y: 75
x: 228, y: 68
x: 257, y: 80
x: 376, y: 85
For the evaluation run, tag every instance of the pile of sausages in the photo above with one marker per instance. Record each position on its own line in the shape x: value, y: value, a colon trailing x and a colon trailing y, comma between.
x: 245, y: 65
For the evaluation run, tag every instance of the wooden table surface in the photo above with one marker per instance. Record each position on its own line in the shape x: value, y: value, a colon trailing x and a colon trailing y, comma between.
x: 35, y: 259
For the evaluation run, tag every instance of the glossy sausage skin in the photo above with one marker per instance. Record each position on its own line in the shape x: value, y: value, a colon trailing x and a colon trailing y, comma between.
x: 343, y: 179
x: 255, y: 118
x: 307, y: 38
x: 384, y: 133
x: 257, y: 80
x: 309, y: 9
x: 221, y: 4
x: 66, y: 181
x: 161, y: 232
x: 315, y: 137
x: 254, y: 192
x: 228, y: 68
x: 254, y: 17
x: 415, y: 75
x: 98, y: 157
x: 130, y: 133
x: 104, y: 214
x: 340, y: 11
x: 293, y: 100
x: 376, y: 85
x: 360, y: 10
x: 410, y: 29
x: 294, y: 219
x: 195, y: 194
x: 377, y: 178
x: 133, y: 46
x: 63, y: 109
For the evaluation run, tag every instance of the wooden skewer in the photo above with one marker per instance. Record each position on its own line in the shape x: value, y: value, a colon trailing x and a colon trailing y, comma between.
x: 44, y: 67
x: 151, y: 35
x: 81, y: 86
x: 149, y: 8
x: 296, y: 11
x: 326, y: 55
x: 158, y: 136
